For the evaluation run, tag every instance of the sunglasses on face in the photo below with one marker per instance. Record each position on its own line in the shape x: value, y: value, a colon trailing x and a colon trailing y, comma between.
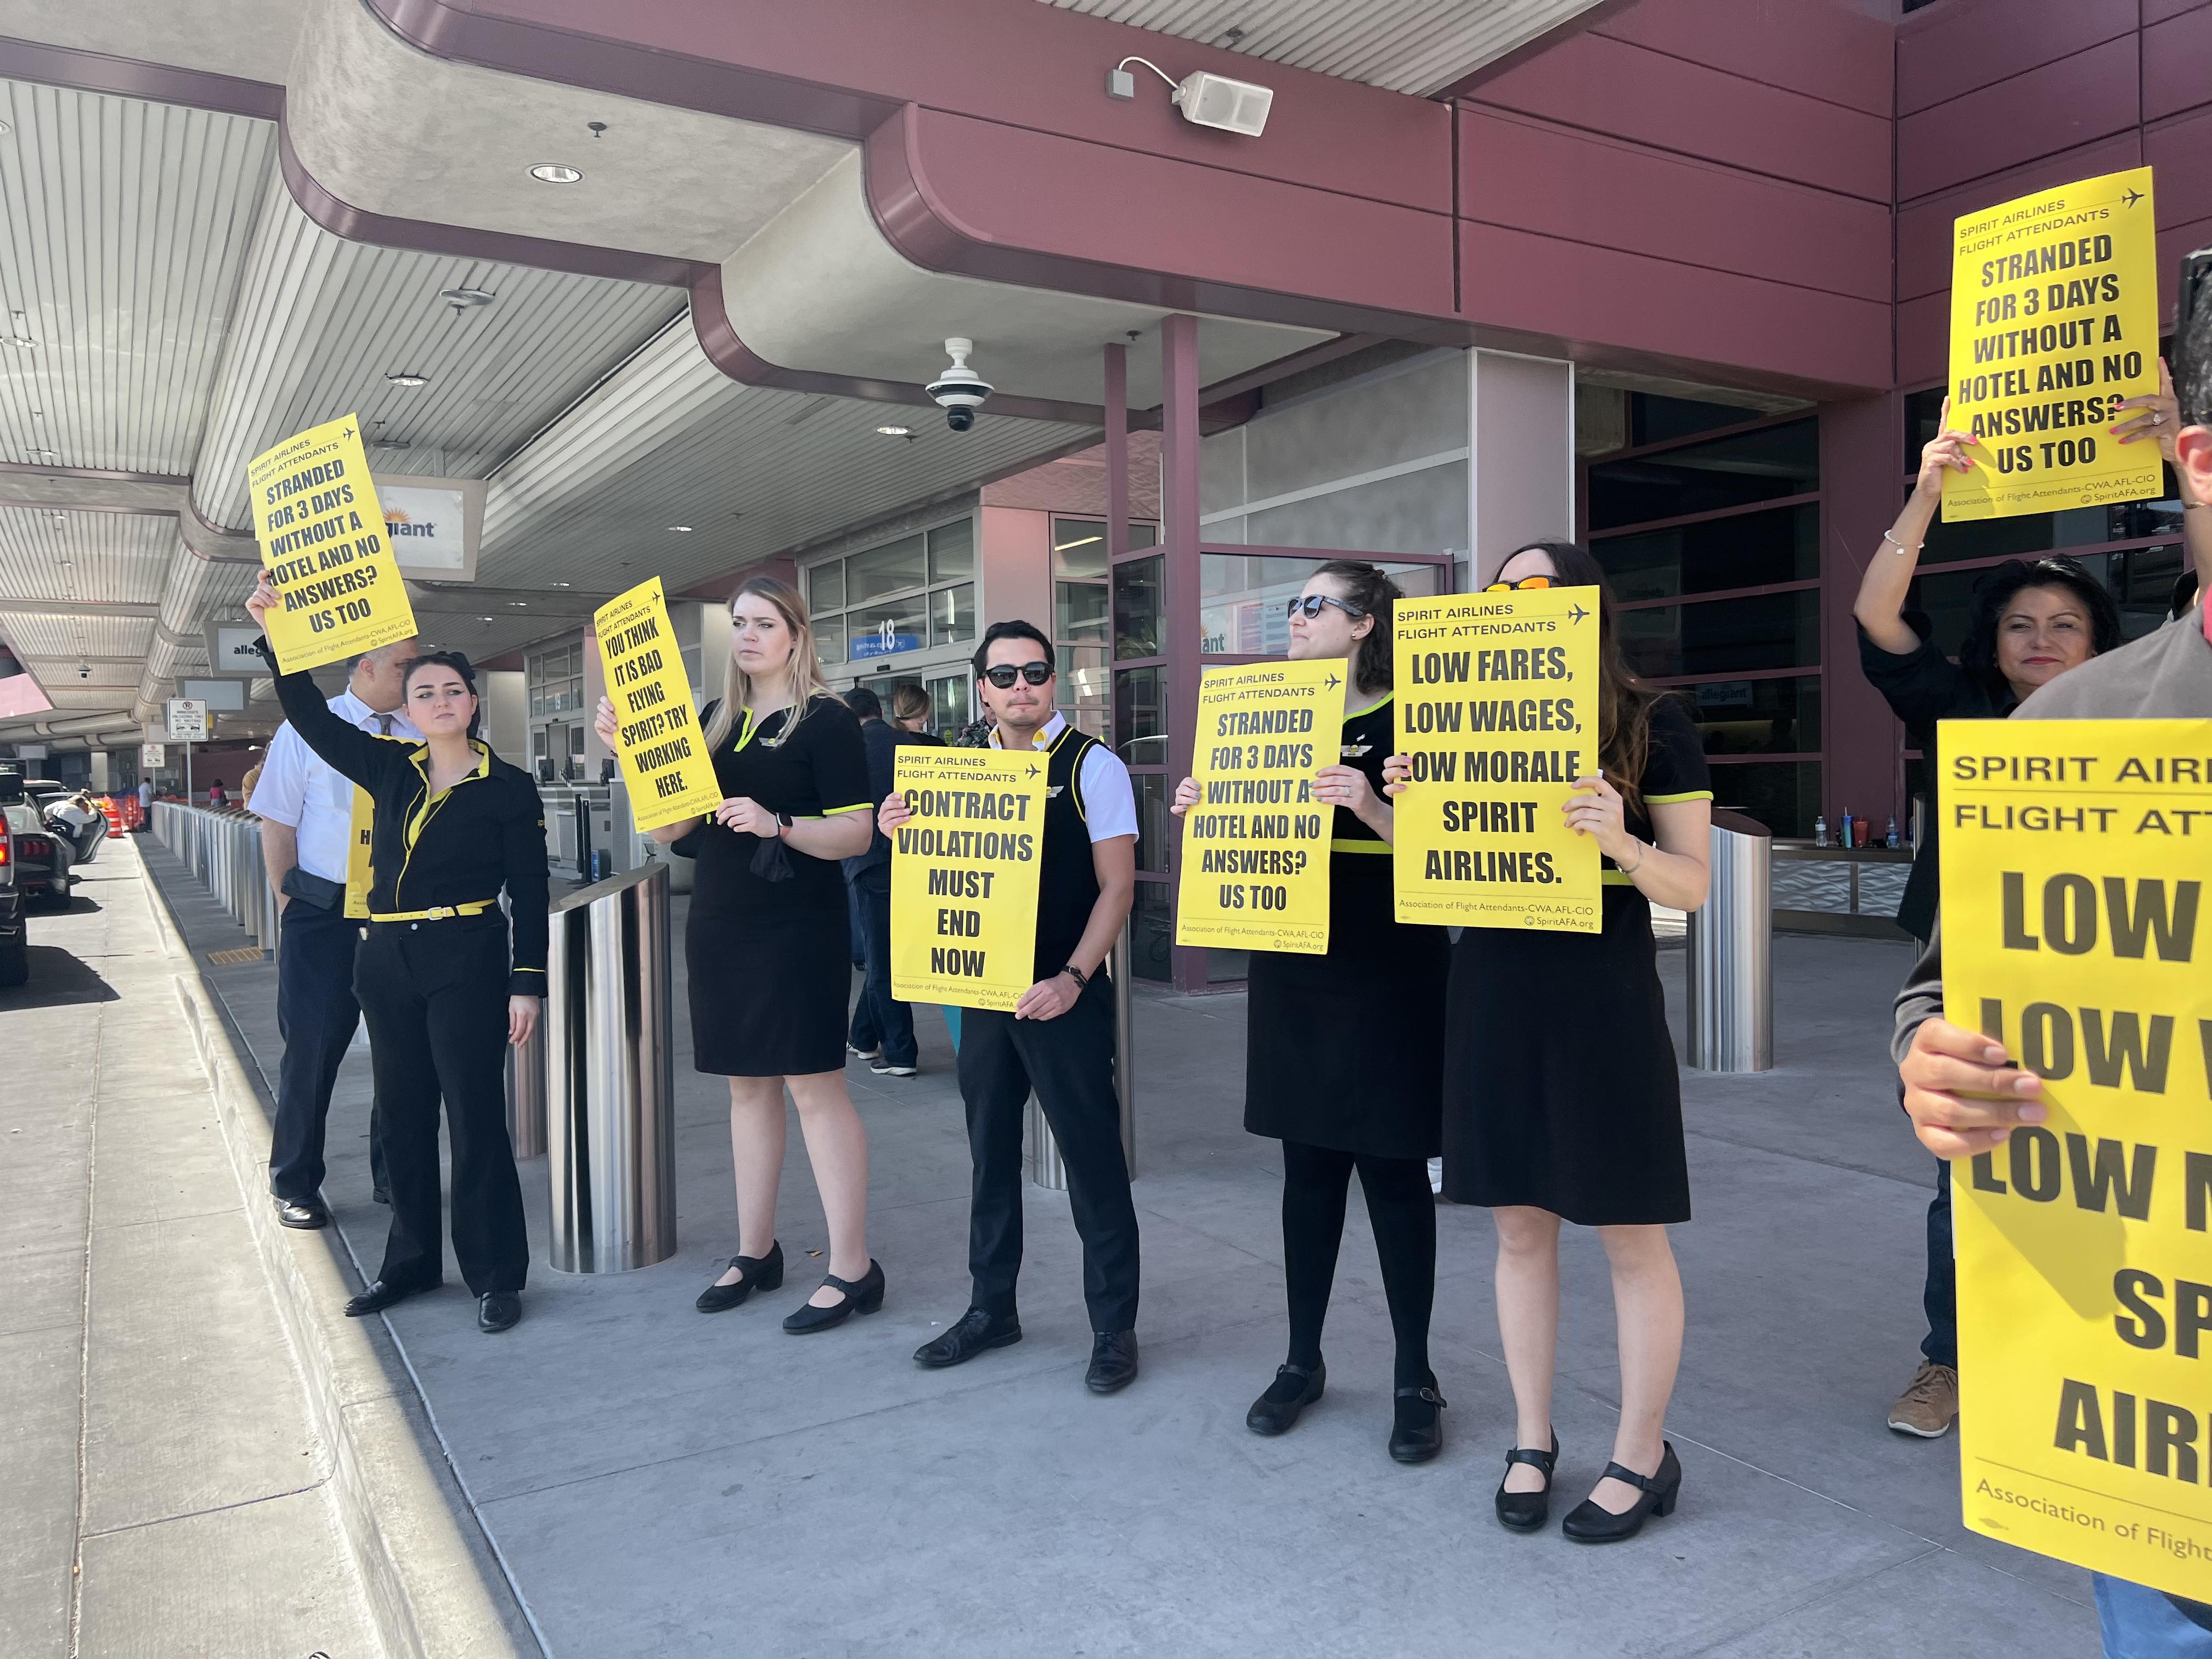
x: 1310, y: 605
x: 1525, y: 581
x: 1003, y: 676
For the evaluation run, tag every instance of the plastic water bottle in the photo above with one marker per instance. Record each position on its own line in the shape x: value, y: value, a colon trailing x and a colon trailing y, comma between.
x: 1847, y: 827
x: 1820, y: 830
x: 1891, y: 841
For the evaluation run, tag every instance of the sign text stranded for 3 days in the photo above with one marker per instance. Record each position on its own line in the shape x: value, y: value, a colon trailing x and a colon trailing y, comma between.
x: 1497, y: 701
x: 964, y: 875
x: 2054, y: 319
x: 664, y: 755
x: 322, y: 538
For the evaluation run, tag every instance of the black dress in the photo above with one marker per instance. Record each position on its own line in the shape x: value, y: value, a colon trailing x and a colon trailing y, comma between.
x: 1345, y: 1050
x: 1560, y: 1090
x: 769, y: 961
x: 1922, y: 686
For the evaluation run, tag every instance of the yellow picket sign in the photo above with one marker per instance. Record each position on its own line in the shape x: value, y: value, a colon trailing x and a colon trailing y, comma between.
x: 322, y: 538
x: 2054, y: 317
x: 1255, y: 847
x: 964, y: 875
x: 665, y: 762
x: 2077, y: 931
x: 1497, y: 701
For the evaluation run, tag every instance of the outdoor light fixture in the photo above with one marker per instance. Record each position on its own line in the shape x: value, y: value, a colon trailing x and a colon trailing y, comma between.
x: 407, y: 380
x: 552, y: 172
x: 462, y: 298
x: 896, y: 431
x: 681, y: 529
x: 1205, y: 99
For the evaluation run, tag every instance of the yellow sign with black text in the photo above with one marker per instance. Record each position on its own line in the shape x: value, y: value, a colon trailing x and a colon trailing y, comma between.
x: 663, y: 752
x: 1497, y: 701
x: 322, y: 538
x: 964, y: 875
x: 2054, y: 318
x: 2076, y: 932
x: 1255, y: 847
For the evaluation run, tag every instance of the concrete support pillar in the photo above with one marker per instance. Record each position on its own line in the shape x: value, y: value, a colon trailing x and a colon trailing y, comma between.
x: 1862, y: 486
x: 100, y: 784
x: 1179, y: 537
x: 1521, y: 459
x: 1117, y: 450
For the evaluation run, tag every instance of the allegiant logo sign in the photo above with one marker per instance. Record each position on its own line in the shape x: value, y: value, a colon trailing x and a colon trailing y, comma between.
x: 427, y: 526
x: 396, y: 521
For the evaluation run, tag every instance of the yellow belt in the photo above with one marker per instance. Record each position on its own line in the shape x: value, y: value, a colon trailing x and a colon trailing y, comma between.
x: 435, y: 913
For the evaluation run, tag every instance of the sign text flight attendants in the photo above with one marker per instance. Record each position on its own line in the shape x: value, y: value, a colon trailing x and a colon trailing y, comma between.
x: 323, y: 542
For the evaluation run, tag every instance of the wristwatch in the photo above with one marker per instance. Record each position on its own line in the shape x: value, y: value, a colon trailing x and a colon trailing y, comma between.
x: 782, y: 821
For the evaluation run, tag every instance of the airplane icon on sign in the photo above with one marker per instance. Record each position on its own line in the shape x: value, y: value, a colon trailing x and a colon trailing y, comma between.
x: 1577, y: 614
x: 2128, y: 198
x: 1334, y: 682
x: 1033, y: 769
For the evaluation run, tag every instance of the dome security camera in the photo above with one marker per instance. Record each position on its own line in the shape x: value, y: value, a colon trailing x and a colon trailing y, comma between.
x: 960, y: 391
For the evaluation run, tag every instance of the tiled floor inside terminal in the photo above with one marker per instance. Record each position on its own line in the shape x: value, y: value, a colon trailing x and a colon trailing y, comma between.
x: 657, y: 1482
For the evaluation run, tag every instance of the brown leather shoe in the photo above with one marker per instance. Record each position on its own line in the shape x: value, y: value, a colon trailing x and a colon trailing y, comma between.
x: 1929, y: 1405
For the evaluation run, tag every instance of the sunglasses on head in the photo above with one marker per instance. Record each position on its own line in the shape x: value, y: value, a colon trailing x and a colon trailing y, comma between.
x: 1310, y: 605
x: 1004, y: 676
x: 1525, y: 581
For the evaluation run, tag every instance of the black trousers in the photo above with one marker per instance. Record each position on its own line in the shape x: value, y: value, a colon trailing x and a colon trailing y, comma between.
x: 1069, y: 1062
x: 316, y: 1016
x: 1939, y: 1291
x: 435, y: 995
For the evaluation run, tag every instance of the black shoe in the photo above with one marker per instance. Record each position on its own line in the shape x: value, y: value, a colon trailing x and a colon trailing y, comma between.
x: 1294, y: 1389
x: 378, y: 1196
x: 1590, y: 1524
x: 757, y: 1273
x: 380, y: 1296
x: 1416, y: 1429
x: 970, y: 1335
x: 864, y: 1295
x: 498, y: 1311
x: 1113, y: 1362
x: 1526, y: 1511
x: 306, y: 1214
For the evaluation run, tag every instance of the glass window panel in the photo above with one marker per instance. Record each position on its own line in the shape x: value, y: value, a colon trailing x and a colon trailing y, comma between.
x: 2032, y: 533
x: 1243, y: 598
x: 948, y: 704
x: 1079, y: 612
x: 1079, y: 547
x: 1924, y: 411
x: 825, y: 587
x: 881, y: 570
x: 952, y: 551
x: 1767, y: 630
x: 828, y: 640
x: 1137, y: 631
x: 1750, y: 717
x: 1151, y: 930
x: 1753, y: 466
x: 2141, y: 581
x: 884, y: 630
x: 1783, y: 795
x: 1142, y: 536
x: 1751, y: 552
x: 1083, y: 680
x: 1654, y: 419
x: 1139, y: 718
x: 952, y: 614
x: 1153, y: 821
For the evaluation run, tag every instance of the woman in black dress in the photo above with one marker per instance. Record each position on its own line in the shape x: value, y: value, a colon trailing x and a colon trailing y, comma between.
x: 1561, y: 1099
x: 1319, y: 1028
x: 765, y: 945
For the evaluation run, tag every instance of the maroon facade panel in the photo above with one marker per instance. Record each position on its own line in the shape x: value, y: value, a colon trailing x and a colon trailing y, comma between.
x: 1954, y: 49
x: 2090, y: 95
x: 2176, y: 64
x: 1923, y: 230
x: 1828, y: 51
x: 2157, y: 11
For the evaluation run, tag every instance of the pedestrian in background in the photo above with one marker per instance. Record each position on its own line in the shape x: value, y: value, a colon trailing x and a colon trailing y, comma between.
x: 217, y: 795
x: 883, y: 1026
x: 911, y: 713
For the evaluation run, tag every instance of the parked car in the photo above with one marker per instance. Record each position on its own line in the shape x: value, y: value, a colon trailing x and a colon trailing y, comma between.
x: 77, y: 819
x: 15, y: 946
x: 42, y: 859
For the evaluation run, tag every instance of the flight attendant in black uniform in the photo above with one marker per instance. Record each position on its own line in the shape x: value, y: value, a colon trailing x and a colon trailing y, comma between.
x: 765, y: 945
x: 443, y: 990
x: 1059, y: 1040
x: 1561, y: 1097
x: 1313, y: 1078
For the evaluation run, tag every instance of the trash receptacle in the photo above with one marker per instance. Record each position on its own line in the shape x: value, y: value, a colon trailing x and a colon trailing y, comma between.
x: 1731, y: 981
x: 610, y: 1081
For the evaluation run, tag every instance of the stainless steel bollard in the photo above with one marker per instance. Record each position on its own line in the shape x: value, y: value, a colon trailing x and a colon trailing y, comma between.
x: 609, y: 1082
x: 1731, y: 976
x: 525, y: 1095
x: 1047, y: 1168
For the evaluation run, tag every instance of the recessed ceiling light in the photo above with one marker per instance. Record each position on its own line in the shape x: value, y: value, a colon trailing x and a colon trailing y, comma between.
x: 681, y: 529
x: 405, y: 379
x: 484, y: 619
x: 896, y: 431
x: 560, y: 584
x: 552, y: 172
x: 519, y: 605
x: 462, y: 298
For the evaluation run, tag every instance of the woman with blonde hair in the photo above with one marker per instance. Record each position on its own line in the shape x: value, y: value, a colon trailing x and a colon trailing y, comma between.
x: 765, y: 944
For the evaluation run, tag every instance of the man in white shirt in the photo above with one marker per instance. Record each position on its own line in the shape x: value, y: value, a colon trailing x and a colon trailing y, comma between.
x: 146, y: 802
x: 307, y: 831
x: 1059, y: 1040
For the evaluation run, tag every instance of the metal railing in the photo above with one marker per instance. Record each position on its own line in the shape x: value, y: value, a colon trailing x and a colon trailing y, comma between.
x: 1731, y: 969
x: 223, y: 850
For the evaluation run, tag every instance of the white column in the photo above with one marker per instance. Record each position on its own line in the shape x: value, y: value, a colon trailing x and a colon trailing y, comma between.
x: 1521, y: 464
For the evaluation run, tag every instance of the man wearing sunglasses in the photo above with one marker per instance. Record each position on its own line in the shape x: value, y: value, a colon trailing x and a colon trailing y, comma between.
x: 1059, y: 1040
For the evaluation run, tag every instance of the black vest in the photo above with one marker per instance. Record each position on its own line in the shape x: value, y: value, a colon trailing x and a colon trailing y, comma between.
x: 1067, y: 882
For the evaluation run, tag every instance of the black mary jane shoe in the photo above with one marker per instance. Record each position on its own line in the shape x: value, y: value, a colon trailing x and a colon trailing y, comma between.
x: 1526, y: 1511
x: 1277, y: 1411
x: 863, y: 1294
x: 498, y: 1311
x: 755, y: 1273
x: 1588, y: 1522
x: 1416, y: 1429
x: 380, y: 1296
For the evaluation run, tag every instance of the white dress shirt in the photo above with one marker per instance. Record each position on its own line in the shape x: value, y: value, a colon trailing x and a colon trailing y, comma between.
x: 298, y: 787
x: 1109, y: 803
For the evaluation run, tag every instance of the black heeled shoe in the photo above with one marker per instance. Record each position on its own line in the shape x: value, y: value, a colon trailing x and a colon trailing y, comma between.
x: 1416, y: 1429
x: 755, y: 1273
x: 1271, y: 1415
x: 864, y: 1295
x: 1526, y: 1511
x: 1588, y: 1523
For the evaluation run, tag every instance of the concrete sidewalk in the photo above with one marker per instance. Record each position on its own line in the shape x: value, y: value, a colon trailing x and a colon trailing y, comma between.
x: 659, y: 1483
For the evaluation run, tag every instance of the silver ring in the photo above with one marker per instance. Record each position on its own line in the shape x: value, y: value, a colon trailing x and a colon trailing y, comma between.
x: 2157, y: 420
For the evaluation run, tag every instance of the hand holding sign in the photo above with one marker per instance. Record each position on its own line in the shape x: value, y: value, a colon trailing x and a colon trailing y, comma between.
x: 1962, y: 1093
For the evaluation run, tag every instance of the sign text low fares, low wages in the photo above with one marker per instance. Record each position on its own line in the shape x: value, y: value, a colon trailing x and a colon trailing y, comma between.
x: 2077, y: 931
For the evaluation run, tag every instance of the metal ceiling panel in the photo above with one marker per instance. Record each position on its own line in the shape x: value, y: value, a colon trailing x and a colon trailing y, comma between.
x: 79, y: 637
x: 123, y: 225
x: 95, y: 557
x: 1417, y: 46
x: 322, y: 322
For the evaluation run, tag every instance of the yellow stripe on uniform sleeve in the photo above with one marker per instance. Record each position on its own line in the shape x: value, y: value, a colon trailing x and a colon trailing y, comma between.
x: 1668, y: 800
x: 832, y: 812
